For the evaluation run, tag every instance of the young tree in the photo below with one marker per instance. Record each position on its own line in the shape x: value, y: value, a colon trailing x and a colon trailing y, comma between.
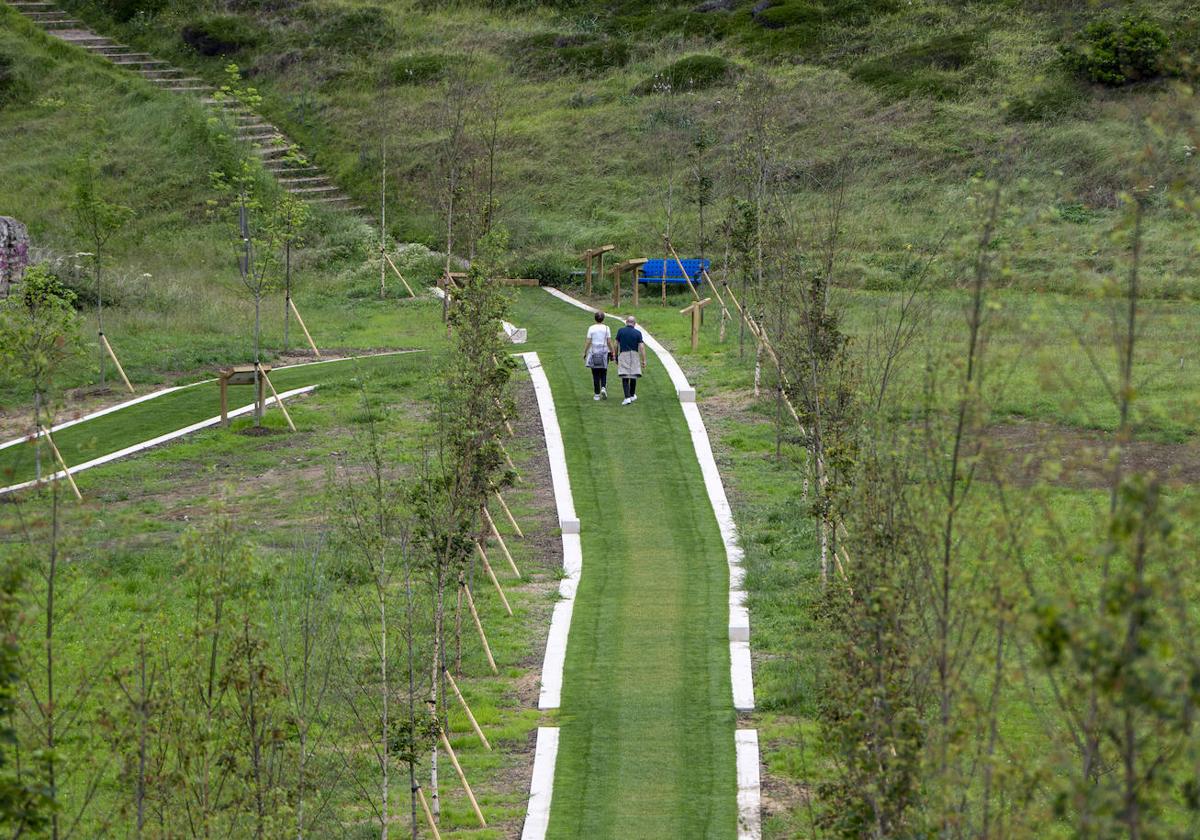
x: 98, y: 220
x: 39, y: 337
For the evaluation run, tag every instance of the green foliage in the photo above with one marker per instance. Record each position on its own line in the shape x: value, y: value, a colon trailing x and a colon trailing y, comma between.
x: 419, y: 68
x: 126, y: 10
x: 39, y: 330
x: 1117, y: 52
x: 12, y: 85
x: 933, y: 68
x: 550, y: 53
x: 793, y: 14
x: 357, y: 29
x: 691, y: 73
x: 1052, y: 99
x: 220, y: 35
x: 551, y: 268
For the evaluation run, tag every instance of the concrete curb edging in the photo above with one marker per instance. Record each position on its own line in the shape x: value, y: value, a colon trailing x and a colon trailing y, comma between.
x: 163, y: 392
x: 749, y: 786
x: 148, y: 444
x: 550, y: 695
x: 741, y: 672
x: 541, y: 786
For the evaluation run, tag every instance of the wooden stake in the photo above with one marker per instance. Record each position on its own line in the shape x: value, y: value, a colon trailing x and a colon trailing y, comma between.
x: 479, y: 626
x: 112, y: 355
x: 398, y: 274
x: 587, y: 283
x: 63, y: 464
x: 462, y: 777
x: 507, y: 425
x: 487, y: 567
x: 428, y: 814
x: 467, y: 709
x: 511, y: 465
x: 278, y: 401
x: 496, y: 533
x: 300, y: 320
x: 508, y: 513
x: 695, y: 294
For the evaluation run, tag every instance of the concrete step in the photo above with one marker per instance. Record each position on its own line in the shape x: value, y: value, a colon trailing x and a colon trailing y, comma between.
x: 307, y: 191
x: 330, y: 199
x: 22, y: 5
x: 56, y: 25
x: 140, y: 63
x: 159, y: 73
x: 276, y: 151
x: 312, y: 179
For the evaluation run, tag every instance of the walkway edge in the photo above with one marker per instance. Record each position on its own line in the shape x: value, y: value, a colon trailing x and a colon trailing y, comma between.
x: 749, y: 785
x: 144, y: 445
x: 741, y: 672
x: 541, y: 786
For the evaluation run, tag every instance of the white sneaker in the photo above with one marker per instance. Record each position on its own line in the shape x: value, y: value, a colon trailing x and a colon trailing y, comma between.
x: 596, y: 397
x: 633, y: 398
x: 627, y: 401
x: 603, y: 393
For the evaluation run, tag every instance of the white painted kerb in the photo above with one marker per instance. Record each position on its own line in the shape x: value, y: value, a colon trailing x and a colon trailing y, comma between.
x: 550, y: 695
x: 741, y: 674
x: 541, y: 786
x: 749, y: 790
x: 161, y: 439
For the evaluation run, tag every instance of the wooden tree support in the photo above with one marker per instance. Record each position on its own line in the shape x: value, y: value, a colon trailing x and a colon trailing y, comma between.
x: 398, y: 274
x: 300, y: 321
x: 510, y: 463
x: 479, y: 626
x: 462, y: 777
x: 487, y: 567
x: 467, y: 709
x: 428, y: 814
x: 58, y: 456
x: 695, y: 309
x: 278, y: 402
x: 496, y: 533
x: 508, y: 513
x: 619, y: 269
x: 112, y: 355
x: 507, y: 426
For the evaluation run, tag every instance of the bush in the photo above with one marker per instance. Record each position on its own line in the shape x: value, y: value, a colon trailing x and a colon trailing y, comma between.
x: 359, y: 30
x: 12, y: 86
x: 551, y: 268
x: 419, y: 68
x: 126, y: 10
x: 552, y: 54
x: 1118, y: 52
x: 693, y: 72
x: 798, y: 13
x: 930, y: 69
x: 220, y: 35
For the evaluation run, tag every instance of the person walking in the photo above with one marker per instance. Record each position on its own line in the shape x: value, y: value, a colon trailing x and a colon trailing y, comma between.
x: 631, y: 358
x: 596, y: 351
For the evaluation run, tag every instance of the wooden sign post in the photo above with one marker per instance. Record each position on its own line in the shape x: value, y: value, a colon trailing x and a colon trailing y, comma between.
x: 695, y: 309
x: 245, y: 375
x: 587, y: 256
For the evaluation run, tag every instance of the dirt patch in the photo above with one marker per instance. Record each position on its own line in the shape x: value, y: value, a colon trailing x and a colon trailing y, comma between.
x: 1029, y: 452
x: 259, y: 431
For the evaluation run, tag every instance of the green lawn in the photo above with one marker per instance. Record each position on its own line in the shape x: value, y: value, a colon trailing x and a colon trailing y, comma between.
x: 179, y: 409
x: 647, y: 716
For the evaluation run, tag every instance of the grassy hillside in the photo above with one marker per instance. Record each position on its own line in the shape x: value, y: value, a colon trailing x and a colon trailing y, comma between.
x: 916, y: 97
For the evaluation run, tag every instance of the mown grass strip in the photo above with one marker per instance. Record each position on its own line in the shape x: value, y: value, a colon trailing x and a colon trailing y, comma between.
x: 647, y: 727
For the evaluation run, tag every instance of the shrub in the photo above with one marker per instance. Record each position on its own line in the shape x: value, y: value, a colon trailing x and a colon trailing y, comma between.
x: 552, y: 53
x: 551, y: 268
x: 11, y: 84
x: 220, y: 35
x: 419, y: 68
x: 126, y: 10
x: 931, y: 69
x: 797, y: 13
x: 359, y: 29
x: 1118, y: 52
x: 693, y: 72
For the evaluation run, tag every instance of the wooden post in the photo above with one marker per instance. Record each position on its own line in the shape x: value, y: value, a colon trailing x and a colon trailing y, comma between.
x: 679, y: 262
x: 398, y: 274
x: 508, y: 426
x: 487, y: 649
x: 428, y: 814
x: 694, y: 309
x: 224, y: 402
x: 467, y: 709
x: 261, y: 394
x: 637, y: 287
x: 496, y: 533
x: 300, y: 321
x: 262, y: 373
x: 462, y: 777
x: 600, y: 273
x: 508, y: 513
x: 616, y: 286
x: 487, y: 567
x: 112, y: 355
x: 67, y: 472
x: 587, y: 277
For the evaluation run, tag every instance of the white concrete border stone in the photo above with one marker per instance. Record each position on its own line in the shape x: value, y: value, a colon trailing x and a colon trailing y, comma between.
x: 541, y: 785
x: 749, y: 789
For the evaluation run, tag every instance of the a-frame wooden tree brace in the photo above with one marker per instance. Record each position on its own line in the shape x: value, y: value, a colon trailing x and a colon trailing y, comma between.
x: 467, y: 709
x: 487, y: 567
x: 508, y: 513
x: 496, y: 536
x: 619, y: 269
x: 588, y: 255
x: 487, y: 649
x: 462, y: 777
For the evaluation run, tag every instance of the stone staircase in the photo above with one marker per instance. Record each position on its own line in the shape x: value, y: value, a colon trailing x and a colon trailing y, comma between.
x: 267, y: 142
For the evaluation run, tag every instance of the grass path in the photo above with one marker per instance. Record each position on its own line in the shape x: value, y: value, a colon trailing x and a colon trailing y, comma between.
x: 176, y: 410
x: 647, y: 747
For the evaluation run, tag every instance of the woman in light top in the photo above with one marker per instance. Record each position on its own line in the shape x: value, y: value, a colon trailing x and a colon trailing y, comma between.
x: 596, y: 352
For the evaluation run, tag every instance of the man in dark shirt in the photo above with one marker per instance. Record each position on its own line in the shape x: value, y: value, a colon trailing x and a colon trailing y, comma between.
x: 631, y: 358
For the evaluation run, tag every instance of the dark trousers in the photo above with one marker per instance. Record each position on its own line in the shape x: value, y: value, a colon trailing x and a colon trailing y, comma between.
x: 599, y: 379
x: 629, y: 385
